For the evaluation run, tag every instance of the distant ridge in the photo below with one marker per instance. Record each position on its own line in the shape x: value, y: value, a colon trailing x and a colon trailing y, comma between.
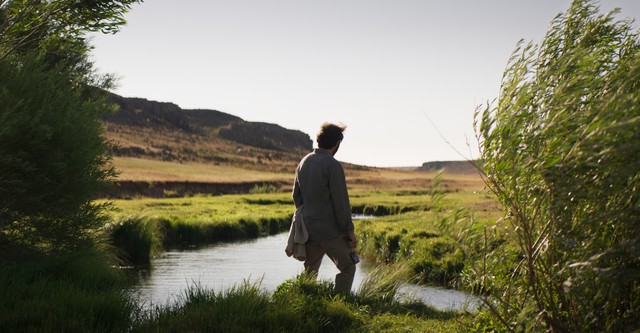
x: 145, y: 113
x: 454, y: 167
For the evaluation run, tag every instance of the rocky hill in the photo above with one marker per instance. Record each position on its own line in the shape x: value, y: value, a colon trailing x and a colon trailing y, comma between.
x: 451, y: 167
x: 164, y: 131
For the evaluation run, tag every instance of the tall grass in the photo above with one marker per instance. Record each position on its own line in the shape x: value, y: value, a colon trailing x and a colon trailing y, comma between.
x: 82, y: 292
x: 298, y: 305
x: 436, y: 246
x: 79, y: 292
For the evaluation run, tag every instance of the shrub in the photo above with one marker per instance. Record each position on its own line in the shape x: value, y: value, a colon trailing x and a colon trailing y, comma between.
x: 561, y: 151
x: 52, y: 159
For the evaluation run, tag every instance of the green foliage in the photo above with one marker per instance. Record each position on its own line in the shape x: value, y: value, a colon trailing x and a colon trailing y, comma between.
x: 414, y: 239
x: 298, y: 305
x: 52, y: 152
x: 136, y: 239
x: 380, y: 289
x: 266, y: 188
x: 142, y: 228
x: 561, y: 149
x: 77, y: 292
x: 52, y: 159
x: 295, y: 307
x: 55, y: 30
x: 82, y: 292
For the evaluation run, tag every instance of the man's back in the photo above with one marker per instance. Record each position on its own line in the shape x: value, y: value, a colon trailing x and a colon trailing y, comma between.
x: 320, y: 185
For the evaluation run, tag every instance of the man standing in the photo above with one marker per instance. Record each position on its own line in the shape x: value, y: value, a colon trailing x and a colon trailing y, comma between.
x: 321, y: 186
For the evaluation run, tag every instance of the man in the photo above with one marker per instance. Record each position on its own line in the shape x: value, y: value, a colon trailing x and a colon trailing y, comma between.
x: 321, y: 186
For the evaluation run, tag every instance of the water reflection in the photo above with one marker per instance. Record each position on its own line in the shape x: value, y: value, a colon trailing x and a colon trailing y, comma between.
x: 263, y: 260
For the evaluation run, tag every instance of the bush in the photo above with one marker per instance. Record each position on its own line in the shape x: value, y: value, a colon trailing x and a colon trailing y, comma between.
x: 52, y: 158
x: 561, y: 152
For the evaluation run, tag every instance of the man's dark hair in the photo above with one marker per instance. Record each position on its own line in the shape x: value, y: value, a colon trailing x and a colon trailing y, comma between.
x: 329, y: 135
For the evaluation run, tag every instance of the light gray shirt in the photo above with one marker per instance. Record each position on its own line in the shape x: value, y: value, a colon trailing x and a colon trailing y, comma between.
x: 321, y: 186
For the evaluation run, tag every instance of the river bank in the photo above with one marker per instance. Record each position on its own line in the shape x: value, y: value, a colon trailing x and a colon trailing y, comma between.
x: 261, y: 261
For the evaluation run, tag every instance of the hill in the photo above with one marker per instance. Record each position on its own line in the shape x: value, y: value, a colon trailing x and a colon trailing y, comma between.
x: 452, y: 167
x: 163, y: 131
x: 164, y: 150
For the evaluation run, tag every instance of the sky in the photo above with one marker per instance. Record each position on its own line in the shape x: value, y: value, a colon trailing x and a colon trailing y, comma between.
x: 405, y: 76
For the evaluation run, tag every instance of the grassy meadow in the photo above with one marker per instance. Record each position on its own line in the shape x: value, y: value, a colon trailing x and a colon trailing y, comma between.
x: 417, y: 236
x: 139, y: 169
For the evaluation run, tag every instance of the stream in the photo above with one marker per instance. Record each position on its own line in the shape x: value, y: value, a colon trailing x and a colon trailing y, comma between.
x: 224, y: 265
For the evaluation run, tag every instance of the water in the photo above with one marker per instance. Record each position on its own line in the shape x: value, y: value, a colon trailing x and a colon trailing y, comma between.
x: 262, y: 260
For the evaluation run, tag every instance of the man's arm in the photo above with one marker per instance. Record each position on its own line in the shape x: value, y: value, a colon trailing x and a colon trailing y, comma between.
x: 297, y: 193
x: 340, y: 198
x: 351, y: 236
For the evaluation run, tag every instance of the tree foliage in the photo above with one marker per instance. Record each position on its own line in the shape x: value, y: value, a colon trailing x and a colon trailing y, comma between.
x: 561, y: 148
x: 57, y: 27
x: 53, y: 156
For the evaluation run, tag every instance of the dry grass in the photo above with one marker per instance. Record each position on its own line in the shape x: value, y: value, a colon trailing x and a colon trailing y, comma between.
x: 138, y: 169
x: 163, y: 155
x: 159, y: 144
x: 358, y: 178
x: 377, y: 179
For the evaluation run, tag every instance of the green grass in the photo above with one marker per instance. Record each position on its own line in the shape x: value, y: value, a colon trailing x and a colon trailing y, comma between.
x: 141, y: 228
x: 420, y: 241
x: 437, y: 237
x: 415, y: 227
x: 80, y: 292
x: 83, y: 292
x: 298, y: 305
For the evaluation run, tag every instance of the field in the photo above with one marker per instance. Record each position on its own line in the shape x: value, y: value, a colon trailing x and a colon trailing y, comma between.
x: 406, y: 196
x: 417, y: 236
x: 358, y: 177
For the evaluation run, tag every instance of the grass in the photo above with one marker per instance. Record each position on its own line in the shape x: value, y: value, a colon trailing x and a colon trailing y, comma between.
x: 298, y: 305
x: 142, y: 227
x: 83, y: 292
x: 79, y: 292
x: 358, y: 177
x: 411, y: 224
x: 151, y: 170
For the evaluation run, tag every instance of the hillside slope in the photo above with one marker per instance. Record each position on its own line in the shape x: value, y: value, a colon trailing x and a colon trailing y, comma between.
x: 163, y: 131
x: 452, y: 167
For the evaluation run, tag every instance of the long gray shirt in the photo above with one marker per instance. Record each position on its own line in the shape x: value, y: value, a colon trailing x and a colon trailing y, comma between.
x: 321, y: 186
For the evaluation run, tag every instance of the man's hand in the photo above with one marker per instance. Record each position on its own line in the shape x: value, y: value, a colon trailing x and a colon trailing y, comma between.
x: 351, y: 239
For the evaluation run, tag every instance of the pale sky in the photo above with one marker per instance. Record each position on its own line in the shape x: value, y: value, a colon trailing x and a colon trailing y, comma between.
x: 383, y: 68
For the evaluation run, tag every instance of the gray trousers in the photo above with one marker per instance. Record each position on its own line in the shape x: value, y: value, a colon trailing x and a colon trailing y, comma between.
x: 338, y: 251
